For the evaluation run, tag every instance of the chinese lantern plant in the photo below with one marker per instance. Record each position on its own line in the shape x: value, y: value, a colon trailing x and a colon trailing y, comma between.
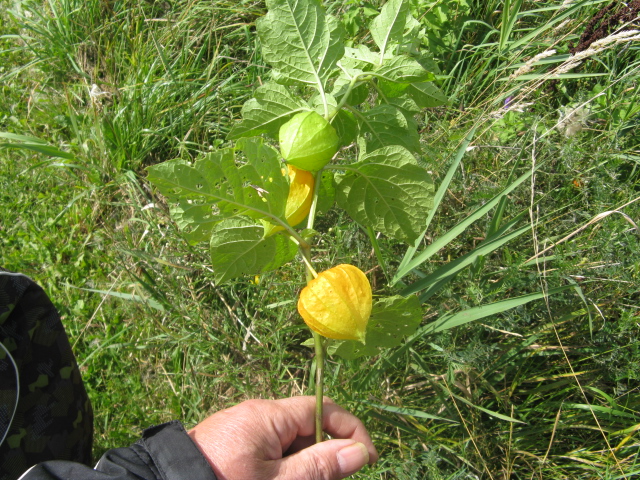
x: 248, y: 199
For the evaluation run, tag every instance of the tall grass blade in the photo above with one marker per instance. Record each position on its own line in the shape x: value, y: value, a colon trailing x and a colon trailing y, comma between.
x: 476, y: 313
x: 570, y: 12
x: 510, y: 13
x: 410, y: 412
x: 402, y: 269
x: 436, y: 280
x: 486, y: 410
x: 460, y: 227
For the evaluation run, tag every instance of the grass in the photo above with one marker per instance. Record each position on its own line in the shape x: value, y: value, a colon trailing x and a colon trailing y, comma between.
x: 175, y: 345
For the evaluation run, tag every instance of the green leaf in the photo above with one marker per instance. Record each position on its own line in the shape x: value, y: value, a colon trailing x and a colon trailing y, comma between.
x: 388, y: 27
x: 402, y: 69
x: 471, y: 314
x: 125, y: 296
x: 427, y: 95
x: 406, y: 105
x: 410, y: 412
x: 385, y: 125
x: 435, y: 281
x: 43, y: 149
x: 238, y: 248
x: 220, y: 186
x: 360, y: 58
x: 359, y: 92
x: 392, y: 319
x: 407, y: 263
x: 388, y: 191
x: 300, y: 41
x: 272, y: 106
x: 195, y: 220
x: 21, y: 138
x: 326, y: 192
x: 346, y: 127
x: 500, y: 416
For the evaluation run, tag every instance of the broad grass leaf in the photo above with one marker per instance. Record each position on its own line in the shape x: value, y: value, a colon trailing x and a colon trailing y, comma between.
x: 497, y: 415
x: 475, y: 313
x: 388, y: 191
x: 238, y: 248
x: 410, y: 412
x: 388, y: 27
x: 40, y: 148
x: 221, y: 185
x: 300, y: 41
x: 392, y: 319
x: 435, y: 281
x: 386, y: 125
x: 272, y: 106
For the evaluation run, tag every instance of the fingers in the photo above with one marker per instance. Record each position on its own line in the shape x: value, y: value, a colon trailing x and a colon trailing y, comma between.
x: 330, y: 460
x: 294, y: 418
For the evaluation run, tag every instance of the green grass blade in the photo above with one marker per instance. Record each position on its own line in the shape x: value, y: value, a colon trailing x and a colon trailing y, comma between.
x: 39, y: 148
x: 21, y: 138
x: 486, y: 410
x: 460, y: 227
x: 433, y: 282
x: 402, y: 269
x: 570, y: 12
x: 510, y: 13
x: 125, y: 296
x: 409, y: 411
x: 476, y: 313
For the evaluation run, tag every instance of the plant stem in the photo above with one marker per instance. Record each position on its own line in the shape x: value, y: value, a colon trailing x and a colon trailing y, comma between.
x: 305, y: 251
x: 376, y: 249
x: 319, y: 347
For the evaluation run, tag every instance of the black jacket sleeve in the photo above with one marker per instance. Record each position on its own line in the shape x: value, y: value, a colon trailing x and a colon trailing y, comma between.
x: 165, y: 452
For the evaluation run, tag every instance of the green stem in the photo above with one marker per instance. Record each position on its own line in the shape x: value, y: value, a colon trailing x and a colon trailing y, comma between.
x: 376, y: 249
x: 319, y: 347
x: 310, y: 273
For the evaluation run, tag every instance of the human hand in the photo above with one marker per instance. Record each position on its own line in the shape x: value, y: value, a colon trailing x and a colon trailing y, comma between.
x: 274, y: 440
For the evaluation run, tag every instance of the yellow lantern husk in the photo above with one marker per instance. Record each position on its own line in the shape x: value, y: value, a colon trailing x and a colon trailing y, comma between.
x: 337, y: 304
x: 299, y: 200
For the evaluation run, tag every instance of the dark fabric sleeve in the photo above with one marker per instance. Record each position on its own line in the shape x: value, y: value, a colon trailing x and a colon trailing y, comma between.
x: 45, y: 412
x: 165, y: 452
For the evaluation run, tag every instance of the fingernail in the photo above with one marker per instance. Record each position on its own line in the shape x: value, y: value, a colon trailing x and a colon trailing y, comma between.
x: 352, y: 458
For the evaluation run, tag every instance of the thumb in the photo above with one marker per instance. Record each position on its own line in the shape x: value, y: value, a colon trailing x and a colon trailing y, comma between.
x: 329, y: 460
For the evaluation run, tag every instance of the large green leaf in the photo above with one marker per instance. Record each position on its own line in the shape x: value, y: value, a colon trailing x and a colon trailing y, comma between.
x: 300, y: 41
x: 360, y: 57
x: 392, y: 319
x: 272, y: 106
x: 426, y: 94
x: 388, y: 191
x: 238, y: 248
x: 403, y: 69
x: 220, y: 186
x: 388, y: 27
x: 386, y: 125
